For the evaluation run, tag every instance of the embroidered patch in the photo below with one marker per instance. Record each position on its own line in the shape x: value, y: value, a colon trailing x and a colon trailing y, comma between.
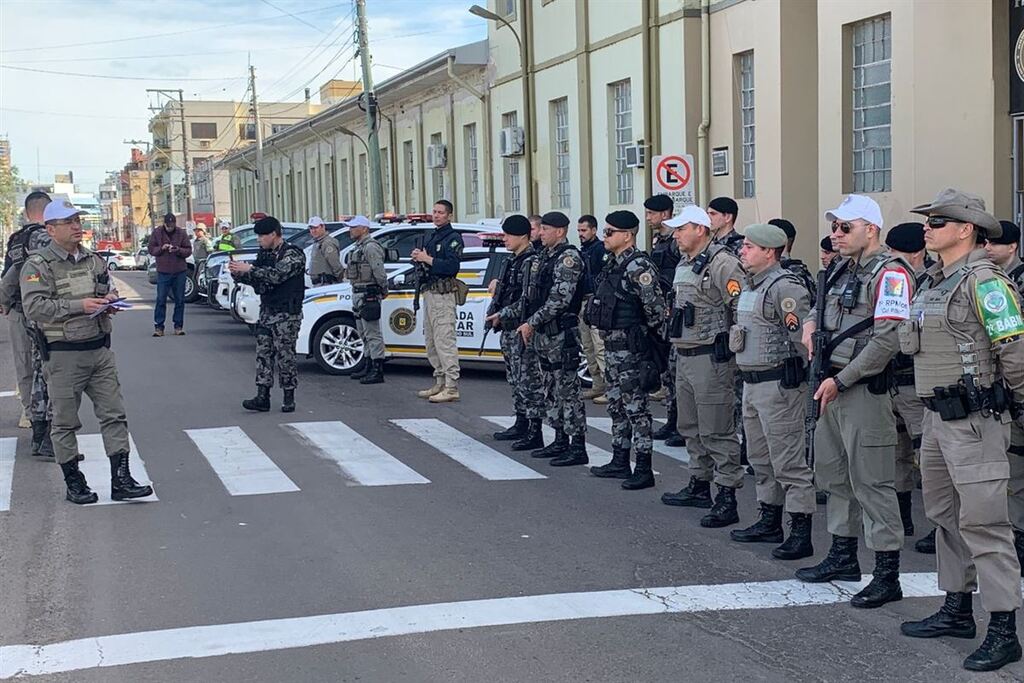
x: 788, y: 304
x: 791, y: 322
x: 34, y: 277
x: 645, y: 279
x: 998, y: 310
x: 733, y: 287
x: 567, y: 262
x: 454, y: 244
x: 893, y: 302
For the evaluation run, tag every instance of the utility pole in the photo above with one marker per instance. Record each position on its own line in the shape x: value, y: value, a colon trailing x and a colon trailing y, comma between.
x: 370, y: 98
x: 259, y: 139
x: 149, y: 178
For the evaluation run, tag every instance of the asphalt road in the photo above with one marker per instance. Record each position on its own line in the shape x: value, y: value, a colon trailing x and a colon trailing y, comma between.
x: 201, y: 557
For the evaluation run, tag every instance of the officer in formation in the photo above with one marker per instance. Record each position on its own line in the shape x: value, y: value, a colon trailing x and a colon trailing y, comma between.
x: 440, y: 258
x: 65, y: 290
x: 771, y: 360
x: 369, y: 287
x: 554, y: 294
x: 594, y: 257
x: 325, y: 264
x: 227, y: 241
x: 708, y: 281
x: 506, y: 313
x: 795, y: 266
x: 868, y: 295
x: 278, y: 276
x: 723, y: 212
x: 965, y: 334
x: 827, y: 253
x: 629, y: 308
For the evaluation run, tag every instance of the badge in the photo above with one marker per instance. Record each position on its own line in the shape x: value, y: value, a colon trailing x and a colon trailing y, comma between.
x: 34, y: 277
x: 788, y: 304
x: 645, y: 279
x: 568, y: 262
x: 893, y: 301
x: 791, y: 322
x: 733, y: 287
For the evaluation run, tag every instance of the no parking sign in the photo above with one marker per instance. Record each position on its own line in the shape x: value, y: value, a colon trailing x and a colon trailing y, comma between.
x: 674, y: 175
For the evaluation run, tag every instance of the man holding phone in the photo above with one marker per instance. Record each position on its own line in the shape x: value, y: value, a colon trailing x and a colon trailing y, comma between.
x: 170, y: 247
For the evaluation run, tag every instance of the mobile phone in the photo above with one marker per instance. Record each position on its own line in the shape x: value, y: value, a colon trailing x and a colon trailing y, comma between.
x: 231, y: 257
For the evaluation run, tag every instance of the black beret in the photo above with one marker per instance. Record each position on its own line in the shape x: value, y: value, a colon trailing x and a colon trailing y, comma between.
x: 265, y: 226
x: 906, y: 237
x: 725, y: 205
x: 556, y: 219
x: 169, y: 218
x: 1011, y: 234
x: 786, y: 227
x: 516, y: 225
x: 625, y: 220
x: 659, y: 202
x: 826, y: 245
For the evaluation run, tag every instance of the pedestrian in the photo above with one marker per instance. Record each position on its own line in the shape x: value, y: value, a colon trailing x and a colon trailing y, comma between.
x: 65, y: 289
x: 708, y: 281
x: 594, y: 257
x: 170, y: 246
x: 771, y: 360
x: 723, y: 212
x: 793, y: 265
x: 553, y: 297
x: 506, y: 313
x: 201, y: 246
x: 278, y: 276
x: 441, y: 288
x: 628, y: 307
x: 227, y: 240
x: 964, y: 332
x: 325, y: 266
x: 369, y: 287
x: 827, y: 253
x: 535, y: 223
x: 855, y: 440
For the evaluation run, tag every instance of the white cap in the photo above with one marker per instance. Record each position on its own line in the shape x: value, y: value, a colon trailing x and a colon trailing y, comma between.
x: 58, y: 211
x: 689, y: 214
x: 315, y: 222
x: 856, y: 206
x: 357, y: 222
x: 225, y: 224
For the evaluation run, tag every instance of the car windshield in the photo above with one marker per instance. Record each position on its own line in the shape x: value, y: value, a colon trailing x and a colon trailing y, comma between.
x: 251, y: 239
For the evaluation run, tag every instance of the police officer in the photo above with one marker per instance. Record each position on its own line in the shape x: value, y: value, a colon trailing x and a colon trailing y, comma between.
x: 827, y: 253
x: 535, y: 223
x: 553, y: 297
x: 63, y: 285
x: 965, y: 334
x: 770, y: 358
x: 628, y: 307
x: 793, y: 265
x: 723, y: 212
x: 665, y: 255
x: 507, y: 313
x: 227, y: 241
x: 325, y: 264
x: 440, y: 256
x: 855, y: 440
x: 708, y: 280
x: 594, y: 257
x: 369, y: 287
x: 277, y: 275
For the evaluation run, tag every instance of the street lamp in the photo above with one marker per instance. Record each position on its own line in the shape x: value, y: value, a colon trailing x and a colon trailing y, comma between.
x: 345, y: 131
x: 487, y: 14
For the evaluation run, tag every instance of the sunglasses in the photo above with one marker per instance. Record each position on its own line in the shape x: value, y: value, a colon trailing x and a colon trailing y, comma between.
x: 940, y: 221
x: 842, y: 227
x: 608, y: 232
x: 74, y: 220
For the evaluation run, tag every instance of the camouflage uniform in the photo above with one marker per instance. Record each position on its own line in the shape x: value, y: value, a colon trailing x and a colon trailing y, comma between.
x: 665, y: 255
x: 522, y: 365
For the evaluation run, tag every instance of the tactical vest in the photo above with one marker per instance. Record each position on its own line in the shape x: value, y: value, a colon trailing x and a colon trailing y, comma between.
x: 359, y: 270
x: 287, y: 296
x: 694, y: 289
x: 511, y: 283
x: 542, y: 279
x: 766, y: 341
x: 17, y: 246
x: 902, y: 364
x: 798, y: 268
x: 614, y: 307
x: 664, y: 260
x: 86, y: 279
x: 733, y: 241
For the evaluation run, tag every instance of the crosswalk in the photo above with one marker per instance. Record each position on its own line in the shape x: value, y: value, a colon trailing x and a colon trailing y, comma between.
x: 245, y: 468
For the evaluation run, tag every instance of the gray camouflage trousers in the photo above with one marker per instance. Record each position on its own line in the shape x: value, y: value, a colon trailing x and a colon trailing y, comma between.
x: 522, y: 370
x: 562, y: 401
x: 39, y: 403
x: 628, y: 404
x: 275, y: 345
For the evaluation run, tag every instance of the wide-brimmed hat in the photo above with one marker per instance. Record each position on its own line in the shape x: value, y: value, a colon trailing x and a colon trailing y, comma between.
x: 962, y: 206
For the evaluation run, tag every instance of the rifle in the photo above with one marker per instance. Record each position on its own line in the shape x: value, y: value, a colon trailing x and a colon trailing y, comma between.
x: 816, y: 373
x: 495, y: 298
x: 421, y: 272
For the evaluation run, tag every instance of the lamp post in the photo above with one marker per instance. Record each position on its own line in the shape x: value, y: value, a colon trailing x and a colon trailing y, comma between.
x: 484, y: 13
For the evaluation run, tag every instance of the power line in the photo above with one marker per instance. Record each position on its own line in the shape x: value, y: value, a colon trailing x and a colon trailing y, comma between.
x: 293, y: 16
x: 314, y: 53
x: 116, y: 78
x: 121, y: 58
x: 144, y: 118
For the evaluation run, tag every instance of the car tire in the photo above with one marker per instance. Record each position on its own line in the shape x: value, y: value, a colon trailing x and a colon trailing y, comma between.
x: 191, y: 289
x: 111, y: 266
x: 337, y: 347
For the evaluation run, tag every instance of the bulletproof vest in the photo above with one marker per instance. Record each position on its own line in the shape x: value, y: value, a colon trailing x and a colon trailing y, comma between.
x: 665, y: 260
x: 903, y: 364
x: 542, y: 279
x: 287, y: 296
x: 85, y: 279
x: 359, y: 270
x: 733, y: 241
x: 17, y: 246
x: 797, y: 267
x: 614, y: 307
x: 945, y: 337
x: 512, y: 281
x: 766, y: 340
x: 694, y: 289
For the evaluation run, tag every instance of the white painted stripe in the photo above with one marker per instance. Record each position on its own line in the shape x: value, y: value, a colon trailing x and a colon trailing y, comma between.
x: 361, y: 460
x: 467, y: 451
x: 8, y: 394
x: 604, y: 424
x: 598, y: 456
x: 243, y: 467
x: 96, y: 468
x: 8, y: 445
x: 279, y: 634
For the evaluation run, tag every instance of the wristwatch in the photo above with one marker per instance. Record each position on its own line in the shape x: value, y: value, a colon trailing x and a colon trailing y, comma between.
x: 840, y: 387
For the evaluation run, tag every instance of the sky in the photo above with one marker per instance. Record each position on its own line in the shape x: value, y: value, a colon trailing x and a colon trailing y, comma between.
x: 59, y: 115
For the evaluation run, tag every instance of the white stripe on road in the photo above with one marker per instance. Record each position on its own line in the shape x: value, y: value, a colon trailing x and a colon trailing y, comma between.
x: 604, y: 424
x: 8, y: 394
x: 8, y: 445
x: 598, y: 456
x: 360, y: 459
x: 243, y: 467
x: 296, y: 632
x: 96, y: 468
x: 467, y: 451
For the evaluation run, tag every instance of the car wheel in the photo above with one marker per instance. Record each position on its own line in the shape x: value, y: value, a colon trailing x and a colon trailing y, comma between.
x: 111, y: 266
x: 191, y: 290
x: 337, y: 346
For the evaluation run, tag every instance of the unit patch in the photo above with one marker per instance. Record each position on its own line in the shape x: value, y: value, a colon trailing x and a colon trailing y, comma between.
x: 733, y: 287
x: 788, y: 304
x: 893, y: 302
x: 791, y: 322
x: 998, y: 310
x: 645, y: 279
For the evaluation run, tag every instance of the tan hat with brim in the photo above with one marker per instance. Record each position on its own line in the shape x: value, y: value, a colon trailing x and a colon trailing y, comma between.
x: 962, y: 206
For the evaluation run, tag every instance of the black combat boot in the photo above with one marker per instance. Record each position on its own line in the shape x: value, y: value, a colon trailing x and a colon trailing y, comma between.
x: 954, y: 619
x: 926, y: 544
x: 798, y: 545
x: 669, y: 428
x: 885, y: 582
x: 697, y: 494
x: 905, y: 512
x: 723, y: 512
x: 618, y: 468
x: 839, y: 565
x: 767, y: 529
x: 516, y: 431
x: 643, y: 475
x: 1018, y: 545
x: 42, y: 446
x: 575, y: 454
x: 362, y: 371
x: 1000, y: 646
x: 532, y: 438
x: 260, y: 402
x: 676, y: 441
x: 557, y: 447
x: 122, y: 486
x: 376, y: 373
x: 288, y: 403
x: 79, y: 492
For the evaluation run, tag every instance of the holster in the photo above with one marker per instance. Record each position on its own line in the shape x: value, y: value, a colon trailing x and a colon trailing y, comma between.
x: 720, y: 352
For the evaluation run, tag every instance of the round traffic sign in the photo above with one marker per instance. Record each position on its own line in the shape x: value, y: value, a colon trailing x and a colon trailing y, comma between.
x: 673, y: 173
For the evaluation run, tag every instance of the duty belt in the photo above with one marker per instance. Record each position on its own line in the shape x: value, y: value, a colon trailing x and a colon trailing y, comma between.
x: 904, y: 380
x: 90, y: 345
x: 772, y: 375
x: 706, y: 350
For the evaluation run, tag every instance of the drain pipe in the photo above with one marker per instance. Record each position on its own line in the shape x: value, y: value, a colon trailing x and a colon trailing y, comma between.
x: 705, y: 101
x: 488, y: 147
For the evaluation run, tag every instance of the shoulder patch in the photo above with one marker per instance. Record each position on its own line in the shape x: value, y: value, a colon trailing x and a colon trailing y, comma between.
x: 645, y: 279
x: 893, y: 296
x: 733, y: 287
x: 791, y: 321
x: 998, y: 309
x: 568, y: 262
x: 32, y: 277
x: 788, y: 304
x: 454, y: 244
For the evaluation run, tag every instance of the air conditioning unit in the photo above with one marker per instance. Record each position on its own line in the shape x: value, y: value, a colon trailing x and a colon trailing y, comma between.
x: 512, y: 142
x: 636, y: 155
x: 204, y: 144
x: 437, y: 156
